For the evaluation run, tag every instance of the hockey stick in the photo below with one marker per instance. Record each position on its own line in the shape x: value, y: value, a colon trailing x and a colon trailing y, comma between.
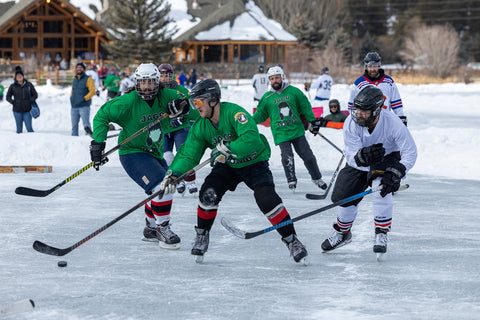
x: 17, y: 307
x: 46, y: 249
x: 330, y: 142
x: 314, y: 196
x: 90, y: 133
x: 43, y: 193
x: 248, y: 235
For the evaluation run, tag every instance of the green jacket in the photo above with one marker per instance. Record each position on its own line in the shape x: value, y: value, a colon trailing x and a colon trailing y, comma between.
x: 237, y: 126
x: 284, y: 108
x: 132, y: 113
x: 112, y: 83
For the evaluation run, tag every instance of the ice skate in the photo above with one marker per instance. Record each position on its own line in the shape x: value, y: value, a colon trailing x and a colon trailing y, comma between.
x: 380, y: 246
x: 201, y: 244
x: 292, y: 185
x: 167, y: 239
x: 181, y: 187
x: 150, y: 234
x: 337, y: 239
x: 296, y: 248
x: 192, y: 187
x: 320, y: 183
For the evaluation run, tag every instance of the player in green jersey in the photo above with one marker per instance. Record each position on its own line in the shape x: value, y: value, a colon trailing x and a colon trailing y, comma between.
x: 142, y: 158
x: 239, y: 154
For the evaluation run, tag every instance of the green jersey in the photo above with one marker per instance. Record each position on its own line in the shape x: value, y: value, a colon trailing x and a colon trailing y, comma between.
x: 236, y: 126
x: 1, y: 90
x: 284, y: 108
x: 112, y: 83
x: 194, y: 112
x: 132, y: 114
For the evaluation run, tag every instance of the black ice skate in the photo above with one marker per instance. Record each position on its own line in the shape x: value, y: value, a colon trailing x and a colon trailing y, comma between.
x: 296, y: 248
x: 150, y: 234
x: 181, y: 187
x: 320, y: 183
x: 380, y: 246
x: 201, y: 244
x: 167, y: 239
x: 337, y: 239
x: 292, y: 185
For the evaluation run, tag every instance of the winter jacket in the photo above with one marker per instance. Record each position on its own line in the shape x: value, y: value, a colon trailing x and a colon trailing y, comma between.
x: 21, y: 96
x: 83, y: 89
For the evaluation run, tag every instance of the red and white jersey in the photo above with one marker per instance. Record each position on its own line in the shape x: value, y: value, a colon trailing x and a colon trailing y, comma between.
x: 393, y: 101
x: 389, y: 130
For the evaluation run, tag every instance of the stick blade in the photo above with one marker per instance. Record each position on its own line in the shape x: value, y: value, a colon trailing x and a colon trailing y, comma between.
x: 17, y: 307
x: 313, y: 196
x: 234, y: 230
x: 31, y: 192
x: 46, y: 249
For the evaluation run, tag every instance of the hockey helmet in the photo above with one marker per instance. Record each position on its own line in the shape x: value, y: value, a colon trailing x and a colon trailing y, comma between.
x: 372, y: 59
x: 147, y: 80
x: 368, y: 99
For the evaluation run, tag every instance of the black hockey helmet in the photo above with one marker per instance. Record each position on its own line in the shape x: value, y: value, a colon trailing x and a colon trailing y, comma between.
x: 206, y: 89
x: 370, y: 98
x: 372, y: 59
x: 261, y: 68
x: 325, y: 70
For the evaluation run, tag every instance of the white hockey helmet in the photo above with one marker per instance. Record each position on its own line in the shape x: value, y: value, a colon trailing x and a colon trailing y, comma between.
x: 274, y: 71
x: 148, y: 75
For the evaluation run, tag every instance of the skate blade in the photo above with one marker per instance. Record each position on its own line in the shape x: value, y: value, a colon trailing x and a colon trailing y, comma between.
x: 380, y: 256
x: 164, y: 245
x: 304, y: 261
x: 338, y: 246
x: 199, y: 259
x: 149, y: 239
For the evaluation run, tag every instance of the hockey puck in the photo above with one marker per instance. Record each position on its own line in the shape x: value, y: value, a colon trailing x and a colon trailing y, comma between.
x: 62, y: 264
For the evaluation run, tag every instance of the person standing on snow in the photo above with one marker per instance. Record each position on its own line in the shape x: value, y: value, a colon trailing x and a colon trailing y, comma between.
x: 283, y: 104
x: 375, y: 76
x: 380, y: 151
x: 239, y: 154
x: 142, y: 158
x: 260, y: 83
x: 83, y: 89
x: 336, y: 118
x: 180, y: 126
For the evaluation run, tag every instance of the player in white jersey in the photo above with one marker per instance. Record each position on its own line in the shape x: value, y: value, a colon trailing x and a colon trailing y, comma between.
x: 323, y: 85
x: 260, y: 83
x: 379, y: 150
x: 374, y: 75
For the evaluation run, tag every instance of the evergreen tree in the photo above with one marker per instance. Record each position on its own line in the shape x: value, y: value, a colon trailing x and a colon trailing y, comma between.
x: 139, y: 30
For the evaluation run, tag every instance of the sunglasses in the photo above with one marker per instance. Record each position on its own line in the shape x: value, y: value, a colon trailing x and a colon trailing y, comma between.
x: 200, y: 102
x: 334, y: 106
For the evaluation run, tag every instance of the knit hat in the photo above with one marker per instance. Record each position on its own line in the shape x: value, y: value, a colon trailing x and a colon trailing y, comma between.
x: 18, y: 70
x: 82, y: 65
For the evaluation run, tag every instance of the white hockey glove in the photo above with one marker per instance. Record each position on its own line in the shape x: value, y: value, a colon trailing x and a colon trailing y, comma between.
x: 168, y: 184
x: 221, y: 153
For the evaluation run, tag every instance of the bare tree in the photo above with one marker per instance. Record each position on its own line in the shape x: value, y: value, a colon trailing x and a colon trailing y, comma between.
x: 432, y: 48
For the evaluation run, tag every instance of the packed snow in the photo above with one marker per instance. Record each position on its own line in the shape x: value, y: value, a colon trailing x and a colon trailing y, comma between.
x: 429, y: 272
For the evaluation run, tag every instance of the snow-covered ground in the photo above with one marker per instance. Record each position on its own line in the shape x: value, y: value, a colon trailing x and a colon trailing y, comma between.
x: 430, y: 271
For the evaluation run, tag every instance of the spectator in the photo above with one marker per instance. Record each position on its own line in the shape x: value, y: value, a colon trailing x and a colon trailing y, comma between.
x: 83, y: 89
x: 92, y: 72
x: 63, y: 64
x: 283, y: 105
x: 192, y: 77
x: 112, y: 84
x: 336, y: 118
x: 182, y: 79
x: 126, y: 85
x: 260, y: 83
x: 21, y: 94
x: 201, y: 76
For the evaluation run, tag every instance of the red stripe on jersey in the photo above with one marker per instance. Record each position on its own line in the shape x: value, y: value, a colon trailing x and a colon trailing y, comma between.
x: 206, y: 214
x: 278, y: 217
x: 161, y: 208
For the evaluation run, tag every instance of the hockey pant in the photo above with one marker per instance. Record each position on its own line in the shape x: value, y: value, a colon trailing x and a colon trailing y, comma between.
x: 305, y: 152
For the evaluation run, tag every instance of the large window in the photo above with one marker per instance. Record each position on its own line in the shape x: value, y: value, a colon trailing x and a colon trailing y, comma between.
x: 6, y: 43
x: 30, y: 42
x: 53, y: 26
x: 53, y: 43
x: 30, y: 26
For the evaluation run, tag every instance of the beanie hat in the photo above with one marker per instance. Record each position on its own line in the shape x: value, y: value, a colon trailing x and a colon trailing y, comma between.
x: 82, y: 65
x: 18, y: 70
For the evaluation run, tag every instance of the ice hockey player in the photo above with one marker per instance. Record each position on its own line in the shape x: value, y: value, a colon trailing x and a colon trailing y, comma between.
x: 260, y: 83
x: 375, y: 75
x: 180, y: 126
x: 284, y: 104
x: 142, y: 158
x: 323, y: 84
x: 239, y: 154
x: 380, y: 151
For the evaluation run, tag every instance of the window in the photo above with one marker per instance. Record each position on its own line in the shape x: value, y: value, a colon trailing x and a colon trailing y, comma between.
x: 30, y: 42
x: 53, y: 26
x: 6, y: 43
x: 53, y: 43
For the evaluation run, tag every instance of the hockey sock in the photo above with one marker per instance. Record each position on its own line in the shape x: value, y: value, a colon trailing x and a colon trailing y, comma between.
x: 150, y: 218
x: 161, y: 209
x: 280, y: 214
x: 206, y: 216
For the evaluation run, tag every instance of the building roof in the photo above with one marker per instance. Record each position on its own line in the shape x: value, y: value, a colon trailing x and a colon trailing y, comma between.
x: 236, y: 20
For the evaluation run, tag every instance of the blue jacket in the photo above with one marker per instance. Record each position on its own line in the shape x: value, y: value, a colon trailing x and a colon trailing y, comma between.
x: 83, y: 89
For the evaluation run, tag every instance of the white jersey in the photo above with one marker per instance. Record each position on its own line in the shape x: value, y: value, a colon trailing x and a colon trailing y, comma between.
x: 94, y: 75
x: 261, y: 85
x: 389, y: 130
x: 125, y: 85
x: 323, y: 85
x: 393, y: 101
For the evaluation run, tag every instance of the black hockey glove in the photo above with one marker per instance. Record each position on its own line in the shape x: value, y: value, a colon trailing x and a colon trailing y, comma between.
x: 404, y: 120
x: 221, y: 153
x: 178, y: 107
x: 177, y: 122
x: 96, y: 154
x: 370, y: 155
x: 316, y: 124
x: 391, y: 179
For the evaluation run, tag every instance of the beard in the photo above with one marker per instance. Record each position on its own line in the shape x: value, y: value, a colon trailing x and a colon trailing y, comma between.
x: 276, y: 85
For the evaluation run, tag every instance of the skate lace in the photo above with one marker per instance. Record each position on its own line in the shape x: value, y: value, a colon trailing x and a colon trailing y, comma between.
x: 335, y: 238
x: 295, y: 247
x: 381, y: 239
x: 166, y: 232
x: 201, y: 241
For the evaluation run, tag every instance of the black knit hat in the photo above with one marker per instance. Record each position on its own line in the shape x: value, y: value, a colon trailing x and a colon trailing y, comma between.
x: 18, y: 70
x: 82, y: 65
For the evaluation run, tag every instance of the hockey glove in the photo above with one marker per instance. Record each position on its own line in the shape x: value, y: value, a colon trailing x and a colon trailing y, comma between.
x: 404, y: 120
x: 316, y: 124
x: 307, y: 86
x: 177, y: 122
x: 178, y: 107
x: 96, y: 154
x: 221, y: 153
x: 168, y: 184
x: 391, y: 179
x: 370, y: 155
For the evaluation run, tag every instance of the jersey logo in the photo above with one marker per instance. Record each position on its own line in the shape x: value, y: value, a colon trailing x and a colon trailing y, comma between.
x: 241, y: 117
